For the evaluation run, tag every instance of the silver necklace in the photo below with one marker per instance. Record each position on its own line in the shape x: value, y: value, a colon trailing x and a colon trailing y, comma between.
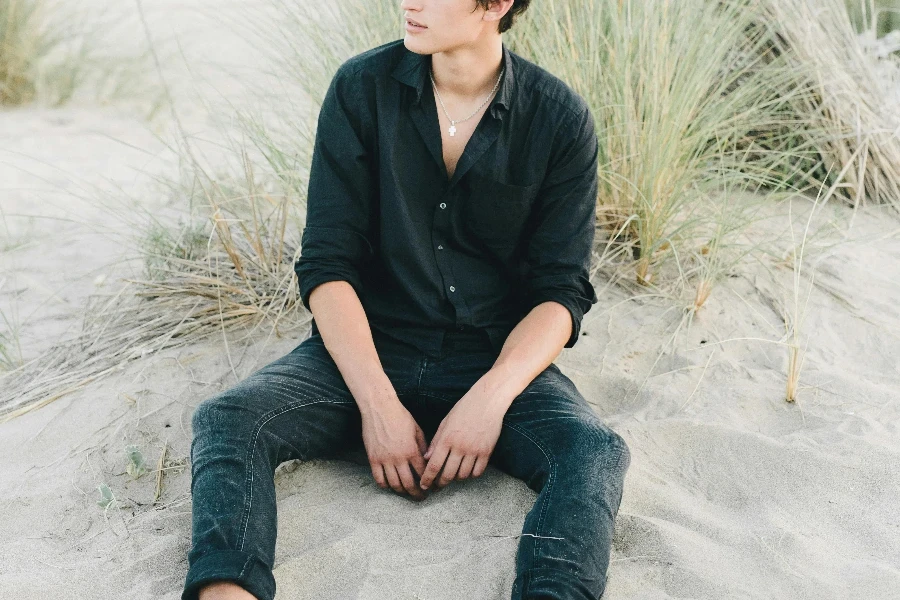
x: 452, y: 128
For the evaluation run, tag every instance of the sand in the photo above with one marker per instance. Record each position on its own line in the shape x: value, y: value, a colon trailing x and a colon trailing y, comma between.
x: 732, y: 492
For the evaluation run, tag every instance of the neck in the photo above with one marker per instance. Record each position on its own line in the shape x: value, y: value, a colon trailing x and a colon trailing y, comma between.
x: 468, y: 73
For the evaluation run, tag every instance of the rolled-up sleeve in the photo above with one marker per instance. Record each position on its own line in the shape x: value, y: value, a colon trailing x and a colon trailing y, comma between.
x: 559, y: 249
x: 336, y: 242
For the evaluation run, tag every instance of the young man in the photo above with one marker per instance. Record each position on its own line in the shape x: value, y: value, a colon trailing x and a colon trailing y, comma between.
x: 450, y: 218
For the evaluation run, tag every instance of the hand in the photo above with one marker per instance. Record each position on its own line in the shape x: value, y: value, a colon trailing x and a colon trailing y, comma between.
x: 393, y: 441
x: 465, y: 439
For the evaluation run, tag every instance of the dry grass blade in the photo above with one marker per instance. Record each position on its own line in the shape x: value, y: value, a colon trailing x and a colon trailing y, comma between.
x: 159, y: 472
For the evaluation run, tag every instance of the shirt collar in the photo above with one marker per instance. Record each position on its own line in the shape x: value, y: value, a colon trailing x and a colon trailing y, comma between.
x: 413, y: 69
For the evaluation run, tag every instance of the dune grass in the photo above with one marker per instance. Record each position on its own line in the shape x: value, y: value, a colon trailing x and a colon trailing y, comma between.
x: 51, y: 50
x: 672, y: 107
x: 855, y: 121
x: 226, y: 270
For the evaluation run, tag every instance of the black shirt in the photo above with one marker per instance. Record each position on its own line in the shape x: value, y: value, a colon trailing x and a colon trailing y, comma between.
x: 425, y: 253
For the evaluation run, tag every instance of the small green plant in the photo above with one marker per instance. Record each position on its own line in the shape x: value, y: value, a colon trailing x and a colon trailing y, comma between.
x: 136, y: 464
x: 106, y: 496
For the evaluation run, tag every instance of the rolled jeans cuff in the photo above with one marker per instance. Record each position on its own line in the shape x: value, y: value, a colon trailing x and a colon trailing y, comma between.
x: 553, y: 583
x: 241, y: 568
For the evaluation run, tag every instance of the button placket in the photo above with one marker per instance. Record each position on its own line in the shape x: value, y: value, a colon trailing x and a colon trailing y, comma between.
x: 441, y: 230
x: 441, y: 226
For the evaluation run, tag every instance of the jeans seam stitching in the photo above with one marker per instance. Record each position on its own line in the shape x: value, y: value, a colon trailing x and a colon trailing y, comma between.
x: 245, y: 521
x: 244, y: 568
x: 421, y: 373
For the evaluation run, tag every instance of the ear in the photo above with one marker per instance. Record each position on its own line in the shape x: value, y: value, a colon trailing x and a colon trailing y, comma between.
x: 497, y: 9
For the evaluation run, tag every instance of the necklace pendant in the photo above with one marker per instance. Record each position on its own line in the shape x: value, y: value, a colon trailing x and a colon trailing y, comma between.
x: 452, y: 130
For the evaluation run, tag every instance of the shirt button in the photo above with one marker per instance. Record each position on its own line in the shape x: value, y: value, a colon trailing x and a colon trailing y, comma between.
x: 452, y: 289
x: 440, y: 247
x: 443, y: 205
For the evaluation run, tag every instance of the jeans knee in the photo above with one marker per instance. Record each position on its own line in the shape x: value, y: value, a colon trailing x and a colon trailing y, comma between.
x: 203, y: 417
x: 219, y: 414
x: 605, y: 445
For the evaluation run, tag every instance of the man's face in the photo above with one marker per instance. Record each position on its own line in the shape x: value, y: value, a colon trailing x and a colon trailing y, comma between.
x: 449, y: 23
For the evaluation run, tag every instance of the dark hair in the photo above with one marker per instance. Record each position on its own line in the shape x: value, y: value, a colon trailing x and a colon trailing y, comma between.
x: 509, y: 18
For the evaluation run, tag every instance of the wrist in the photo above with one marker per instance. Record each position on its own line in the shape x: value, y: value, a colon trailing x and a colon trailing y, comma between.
x: 374, y: 397
x: 500, y: 387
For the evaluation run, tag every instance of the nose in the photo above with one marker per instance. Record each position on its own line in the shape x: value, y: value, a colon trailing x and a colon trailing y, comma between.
x: 411, y: 5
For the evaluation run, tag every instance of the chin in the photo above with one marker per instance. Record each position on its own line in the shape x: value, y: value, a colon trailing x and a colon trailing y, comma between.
x: 414, y: 44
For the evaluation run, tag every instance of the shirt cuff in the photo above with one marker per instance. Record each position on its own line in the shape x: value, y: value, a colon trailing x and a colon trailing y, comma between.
x: 312, y: 278
x: 567, y: 301
x: 331, y: 254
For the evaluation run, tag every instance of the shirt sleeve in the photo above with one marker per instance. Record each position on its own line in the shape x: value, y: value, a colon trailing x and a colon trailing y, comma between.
x: 559, y: 250
x: 336, y: 241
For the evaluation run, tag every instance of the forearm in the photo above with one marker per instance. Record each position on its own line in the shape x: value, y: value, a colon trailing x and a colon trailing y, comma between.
x: 345, y: 330
x: 529, y: 349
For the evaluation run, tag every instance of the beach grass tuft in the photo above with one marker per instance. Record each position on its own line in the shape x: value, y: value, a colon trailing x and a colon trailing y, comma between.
x: 52, y: 50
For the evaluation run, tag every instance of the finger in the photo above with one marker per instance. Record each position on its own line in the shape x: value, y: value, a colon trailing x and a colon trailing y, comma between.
x: 465, y: 467
x: 378, y: 474
x: 434, y: 441
x: 418, y: 464
x: 449, y: 472
x: 420, y: 440
x: 409, y: 485
x: 393, y: 478
x: 480, y: 465
x: 434, y: 465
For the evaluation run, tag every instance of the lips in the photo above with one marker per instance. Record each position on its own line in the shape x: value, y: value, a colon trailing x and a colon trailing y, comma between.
x: 414, y: 23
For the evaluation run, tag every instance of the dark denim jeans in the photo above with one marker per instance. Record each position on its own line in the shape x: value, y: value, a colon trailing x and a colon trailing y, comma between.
x: 298, y: 407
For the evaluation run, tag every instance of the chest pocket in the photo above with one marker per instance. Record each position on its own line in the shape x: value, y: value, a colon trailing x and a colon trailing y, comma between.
x: 496, y: 212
